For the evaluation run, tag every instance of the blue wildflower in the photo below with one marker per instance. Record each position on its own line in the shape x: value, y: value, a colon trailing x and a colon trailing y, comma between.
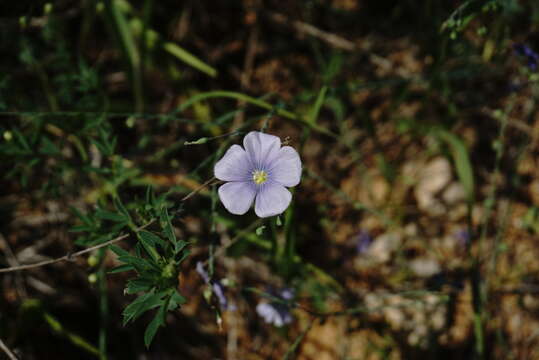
x: 217, y: 288
x: 463, y: 237
x: 363, y: 241
x: 277, y: 312
x: 531, y: 56
x: 260, y: 172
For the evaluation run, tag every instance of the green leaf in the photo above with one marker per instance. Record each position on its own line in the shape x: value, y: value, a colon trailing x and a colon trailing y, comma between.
x: 22, y: 141
x: 167, y: 226
x: 315, y: 110
x: 98, y: 239
x: 184, y: 256
x: 200, y: 141
x: 109, y: 215
x: 148, y: 241
x: 116, y: 13
x: 179, y: 246
x: 150, y: 196
x: 121, y: 268
x: 176, y: 300
x: 81, y: 228
x: 118, y: 250
x: 260, y: 230
x: 459, y: 152
x: 155, y: 324
x: 139, y: 284
x: 142, y: 304
x: 151, y: 238
x: 48, y: 147
x: 84, y: 218
x: 96, y: 170
x: 139, y: 263
x: 121, y: 208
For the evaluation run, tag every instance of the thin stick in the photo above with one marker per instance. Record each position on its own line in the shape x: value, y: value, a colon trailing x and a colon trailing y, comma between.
x: 110, y: 242
x: 198, y: 189
x: 9, y: 353
x: 12, y: 261
x: 68, y: 256
x: 302, y: 27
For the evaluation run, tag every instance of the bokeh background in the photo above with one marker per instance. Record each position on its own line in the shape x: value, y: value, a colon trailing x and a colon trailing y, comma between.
x: 412, y: 235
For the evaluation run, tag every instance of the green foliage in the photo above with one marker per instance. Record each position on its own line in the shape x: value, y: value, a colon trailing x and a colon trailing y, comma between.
x: 462, y: 162
x: 157, y: 256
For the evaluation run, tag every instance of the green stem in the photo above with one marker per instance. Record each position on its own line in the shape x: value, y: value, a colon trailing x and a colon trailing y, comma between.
x: 75, y: 339
x: 257, y: 102
x: 103, y: 305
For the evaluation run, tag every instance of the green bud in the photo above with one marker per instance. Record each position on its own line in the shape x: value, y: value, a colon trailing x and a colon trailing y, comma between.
x: 207, y: 293
x: 23, y: 22
x: 92, y: 278
x: 8, y: 135
x: 100, y: 7
x: 130, y: 122
x: 168, y: 270
x: 260, y: 230
x: 92, y: 260
x: 47, y: 9
x: 197, y: 142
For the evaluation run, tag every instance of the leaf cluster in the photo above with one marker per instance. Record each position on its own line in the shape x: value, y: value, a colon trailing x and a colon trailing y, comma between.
x: 154, y: 262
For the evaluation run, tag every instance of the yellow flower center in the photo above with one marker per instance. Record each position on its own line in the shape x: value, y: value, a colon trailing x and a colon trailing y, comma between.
x: 260, y: 176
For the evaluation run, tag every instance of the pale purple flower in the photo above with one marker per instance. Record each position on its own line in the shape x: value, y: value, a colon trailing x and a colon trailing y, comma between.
x: 531, y: 56
x: 216, y: 287
x: 463, y: 237
x: 259, y: 173
x: 275, y: 312
x: 363, y: 241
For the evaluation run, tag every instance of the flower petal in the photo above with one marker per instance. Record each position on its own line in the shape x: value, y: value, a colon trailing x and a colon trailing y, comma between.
x: 286, y: 167
x: 234, y: 165
x: 266, y: 311
x: 261, y: 148
x: 237, y: 197
x: 272, y: 199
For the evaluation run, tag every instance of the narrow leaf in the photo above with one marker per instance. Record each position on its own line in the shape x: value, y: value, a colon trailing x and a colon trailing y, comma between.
x: 121, y: 268
x: 157, y: 322
x: 121, y: 208
x: 315, y: 110
x: 459, y: 152
x: 109, y: 215
x: 142, y: 304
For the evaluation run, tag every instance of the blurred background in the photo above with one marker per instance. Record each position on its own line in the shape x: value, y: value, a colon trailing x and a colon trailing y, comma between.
x: 412, y: 235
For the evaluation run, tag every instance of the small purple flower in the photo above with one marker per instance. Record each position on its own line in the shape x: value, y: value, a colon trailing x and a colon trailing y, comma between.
x: 203, y: 273
x: 463, y: 237
x: 216, y: 287
x: 275, y: 312
x: 260, y: 173
x: 531, y: 56
x: 363, y: 241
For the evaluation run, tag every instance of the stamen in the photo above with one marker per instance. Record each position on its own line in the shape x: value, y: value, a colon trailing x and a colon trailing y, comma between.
x: 260, y: 176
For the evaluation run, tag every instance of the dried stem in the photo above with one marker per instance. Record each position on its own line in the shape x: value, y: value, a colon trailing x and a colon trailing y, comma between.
x: 8, y: 352
x: 68, y: 256
x: 71, y: 256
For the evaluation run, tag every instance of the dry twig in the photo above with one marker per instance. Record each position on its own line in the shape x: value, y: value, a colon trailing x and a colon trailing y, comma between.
x: 8, y: 352
x: 71, y: 256
x: 302, y: 27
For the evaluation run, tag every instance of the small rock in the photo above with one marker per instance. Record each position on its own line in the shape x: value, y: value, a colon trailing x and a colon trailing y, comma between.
x: 454, y: 194
x: 435, y: 176
x: 384, y: 246
x: 432, y: 179
x: 424, y: 267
